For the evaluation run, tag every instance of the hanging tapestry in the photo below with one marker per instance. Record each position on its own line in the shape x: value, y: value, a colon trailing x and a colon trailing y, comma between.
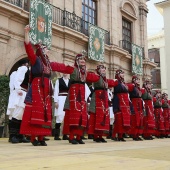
x: 137, y: 59
x: 40, y: 22
x: 96, y: 43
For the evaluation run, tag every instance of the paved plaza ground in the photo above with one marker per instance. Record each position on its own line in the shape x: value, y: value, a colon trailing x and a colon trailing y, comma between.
x: 60, y: 155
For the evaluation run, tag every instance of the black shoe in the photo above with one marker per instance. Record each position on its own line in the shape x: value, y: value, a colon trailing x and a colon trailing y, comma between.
x: 97, y: 140
x: 140, y: 139
x: 115, y: 139
x: 108, y: 137
x: 57, y: 138
x: 162, y: 136
x: 14, y: 139
x: 121, y: 139
x: 147, y: 138
x: 82, y: 137
x: 10, y: 137
x: 136, y: 139
x: 65, y: 137
x: 90, y: 137
x: 71, y: 140
x: 28, y: 138
x: 36, y: 143
x: 46, y: 139
x: 126, y: 136
x: 74, y: 142
x: 42, y: 143
x: 103, y: 140
x: 80, y: 141
x: 24, y: 140
x: 151, y: 138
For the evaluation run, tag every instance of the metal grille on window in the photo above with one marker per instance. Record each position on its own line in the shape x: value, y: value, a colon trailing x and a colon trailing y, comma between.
x: 89, y: 13
x: 126, y: 35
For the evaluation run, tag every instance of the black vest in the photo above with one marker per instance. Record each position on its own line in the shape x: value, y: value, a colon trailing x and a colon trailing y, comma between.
x: 135, y: 93
x: 62, y: 85
x: 26, y: 80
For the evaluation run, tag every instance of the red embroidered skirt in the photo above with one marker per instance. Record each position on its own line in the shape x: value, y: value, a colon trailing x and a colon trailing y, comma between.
x: 78, y: 106
x: 37, y: 117
x: 99, y: 121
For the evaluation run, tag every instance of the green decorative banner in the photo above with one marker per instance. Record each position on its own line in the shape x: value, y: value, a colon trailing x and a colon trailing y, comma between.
x: 137, y: 59
x: 40, y: 22
x: 96, y: 43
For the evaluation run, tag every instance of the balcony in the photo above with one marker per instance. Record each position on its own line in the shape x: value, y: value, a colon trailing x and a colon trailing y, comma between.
x: 16, y: 2
x: 156, y: 86
x: 63, y: 18
x: 126, y: 45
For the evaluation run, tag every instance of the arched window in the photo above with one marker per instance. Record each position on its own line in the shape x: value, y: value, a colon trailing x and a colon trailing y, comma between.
x: 128, y: 25
x: 89, y: 13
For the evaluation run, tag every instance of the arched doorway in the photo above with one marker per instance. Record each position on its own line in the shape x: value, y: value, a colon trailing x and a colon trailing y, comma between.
x: 15, y: 66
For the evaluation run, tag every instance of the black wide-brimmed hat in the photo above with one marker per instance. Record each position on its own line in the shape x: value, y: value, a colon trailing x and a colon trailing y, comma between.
x: 22, y: 61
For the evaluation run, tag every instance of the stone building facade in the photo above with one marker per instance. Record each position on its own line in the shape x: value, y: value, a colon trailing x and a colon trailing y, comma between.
x: 123, y: 20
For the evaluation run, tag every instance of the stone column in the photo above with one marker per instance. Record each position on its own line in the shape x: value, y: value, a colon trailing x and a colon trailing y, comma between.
x: 143, y: 27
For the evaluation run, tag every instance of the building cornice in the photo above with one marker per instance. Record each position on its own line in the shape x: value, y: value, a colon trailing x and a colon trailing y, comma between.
x: 161, y: 5
x: 125, y: 12
x: 4, y: 38
x: 11, y: 10
x: 156, y: 37
x: 150, y: 64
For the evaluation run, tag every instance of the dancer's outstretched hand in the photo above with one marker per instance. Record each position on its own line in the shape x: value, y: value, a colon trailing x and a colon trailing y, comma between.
x: 27, y: 28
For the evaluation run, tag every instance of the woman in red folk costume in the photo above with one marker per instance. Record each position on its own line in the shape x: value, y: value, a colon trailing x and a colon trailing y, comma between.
x: 137, y: 102
x: 38, y: 113
x: 158, y: 111
x: 75, y: 120
x: 121, y: 107
x: 99, y: 122
x: 166, y: 113
x: 149, y: 118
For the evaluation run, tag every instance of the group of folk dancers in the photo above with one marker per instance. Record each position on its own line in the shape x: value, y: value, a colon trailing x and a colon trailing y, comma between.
x: 128, y: 110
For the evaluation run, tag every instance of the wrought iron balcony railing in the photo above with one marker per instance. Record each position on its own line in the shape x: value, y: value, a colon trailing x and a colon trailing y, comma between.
x: 64, y: 18
x: 71, y: 20
x: 156, y: 86
x: 126, y: 45
x: 15, y: 2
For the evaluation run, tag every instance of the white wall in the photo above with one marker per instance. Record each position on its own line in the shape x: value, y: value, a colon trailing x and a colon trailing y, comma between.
x: 166, y: 15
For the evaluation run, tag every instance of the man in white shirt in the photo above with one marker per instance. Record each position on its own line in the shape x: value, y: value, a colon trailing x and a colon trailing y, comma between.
x: 60, y: 93
x: 16, y: 105
x: 10, y: 107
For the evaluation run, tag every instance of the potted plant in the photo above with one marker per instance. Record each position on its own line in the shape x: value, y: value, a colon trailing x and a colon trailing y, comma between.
x: 4, y: 95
